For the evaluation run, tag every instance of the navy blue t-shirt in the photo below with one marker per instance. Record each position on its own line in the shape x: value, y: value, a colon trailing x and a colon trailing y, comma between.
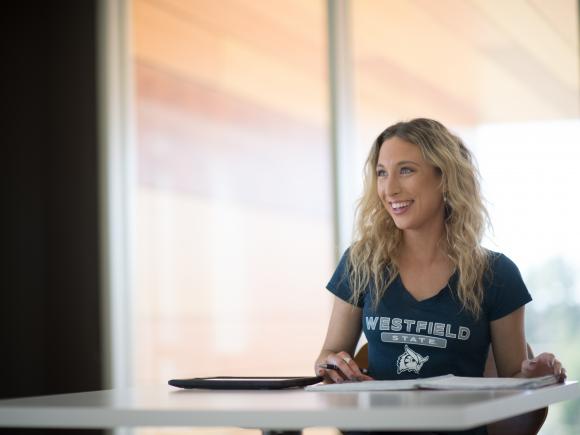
x: 409, y: 339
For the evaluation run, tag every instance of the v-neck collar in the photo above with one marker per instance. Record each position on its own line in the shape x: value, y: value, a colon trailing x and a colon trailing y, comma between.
x: 451, y: 283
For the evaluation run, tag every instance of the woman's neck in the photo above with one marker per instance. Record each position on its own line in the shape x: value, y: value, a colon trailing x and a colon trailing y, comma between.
x: 423, y: 249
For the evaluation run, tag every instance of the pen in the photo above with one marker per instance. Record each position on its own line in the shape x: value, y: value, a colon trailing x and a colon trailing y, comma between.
x: 335, y: 367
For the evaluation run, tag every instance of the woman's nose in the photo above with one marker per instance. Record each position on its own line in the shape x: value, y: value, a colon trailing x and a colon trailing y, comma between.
x: 393, y: 187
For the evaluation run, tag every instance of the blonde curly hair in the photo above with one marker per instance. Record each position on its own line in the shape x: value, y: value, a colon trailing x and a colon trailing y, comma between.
x: 377, y: 242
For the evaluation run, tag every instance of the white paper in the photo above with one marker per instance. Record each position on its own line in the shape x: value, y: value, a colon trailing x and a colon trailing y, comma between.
x: 466, y: 383
x: 446, y: 382
x: 407, y: 384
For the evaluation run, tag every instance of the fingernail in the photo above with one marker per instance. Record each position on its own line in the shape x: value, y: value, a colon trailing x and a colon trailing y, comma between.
x: 532, y: 362
x: 562, y: 377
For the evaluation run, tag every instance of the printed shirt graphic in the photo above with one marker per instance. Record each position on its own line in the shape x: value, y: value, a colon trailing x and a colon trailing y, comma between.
x: 409, y: 338
x: 410, y: 361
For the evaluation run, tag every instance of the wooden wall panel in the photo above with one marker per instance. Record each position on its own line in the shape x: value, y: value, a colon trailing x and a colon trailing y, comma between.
x: 189, y: 134
x: 464, y: 62
x: 221, y: 46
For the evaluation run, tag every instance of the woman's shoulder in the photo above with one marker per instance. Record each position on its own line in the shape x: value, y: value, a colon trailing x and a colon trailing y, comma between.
x: 505, y: 289
x: 501, y: 272
x: 499, y: 263
x: 345, y: 258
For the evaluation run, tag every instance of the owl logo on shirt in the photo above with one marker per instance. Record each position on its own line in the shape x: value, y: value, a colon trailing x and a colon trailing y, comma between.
x: 410, y: 361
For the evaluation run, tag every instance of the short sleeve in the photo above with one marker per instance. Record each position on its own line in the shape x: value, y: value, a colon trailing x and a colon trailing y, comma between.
x: 339, y: 283
x: 507, y: 291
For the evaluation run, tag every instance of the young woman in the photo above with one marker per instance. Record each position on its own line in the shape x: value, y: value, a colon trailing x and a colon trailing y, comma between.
x: 429, y: 298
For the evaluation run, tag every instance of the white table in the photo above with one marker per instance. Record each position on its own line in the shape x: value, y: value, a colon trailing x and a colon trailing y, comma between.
x: 278, y: 410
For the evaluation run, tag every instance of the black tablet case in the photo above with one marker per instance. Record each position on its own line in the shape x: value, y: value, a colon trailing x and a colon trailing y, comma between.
x: 245, y: 383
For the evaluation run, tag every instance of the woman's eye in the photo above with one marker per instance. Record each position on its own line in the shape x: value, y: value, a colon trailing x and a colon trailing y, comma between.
x: 406, y: 170
x: 381, y: 172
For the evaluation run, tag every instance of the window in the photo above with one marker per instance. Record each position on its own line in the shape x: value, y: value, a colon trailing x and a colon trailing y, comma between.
x: 234, y: 226
x: 234, y: 218
x: 504, y: 76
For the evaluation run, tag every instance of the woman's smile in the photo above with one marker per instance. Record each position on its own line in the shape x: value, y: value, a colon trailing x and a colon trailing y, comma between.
x: 400, y: 207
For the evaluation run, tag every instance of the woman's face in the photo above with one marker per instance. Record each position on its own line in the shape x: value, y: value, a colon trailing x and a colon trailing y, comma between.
x: 408, y: 186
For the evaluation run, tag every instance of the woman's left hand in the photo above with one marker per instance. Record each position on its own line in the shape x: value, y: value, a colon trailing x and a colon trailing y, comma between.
x: 543, y: 364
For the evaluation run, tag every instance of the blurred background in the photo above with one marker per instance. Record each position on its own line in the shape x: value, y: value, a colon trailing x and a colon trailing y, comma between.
x: 234, y: 164
x: 234, y: 239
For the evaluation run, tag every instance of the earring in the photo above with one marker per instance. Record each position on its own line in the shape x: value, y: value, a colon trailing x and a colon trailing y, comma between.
x: 445, y: 197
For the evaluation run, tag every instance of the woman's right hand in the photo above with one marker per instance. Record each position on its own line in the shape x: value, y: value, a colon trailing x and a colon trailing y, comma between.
x: 349, y: 370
